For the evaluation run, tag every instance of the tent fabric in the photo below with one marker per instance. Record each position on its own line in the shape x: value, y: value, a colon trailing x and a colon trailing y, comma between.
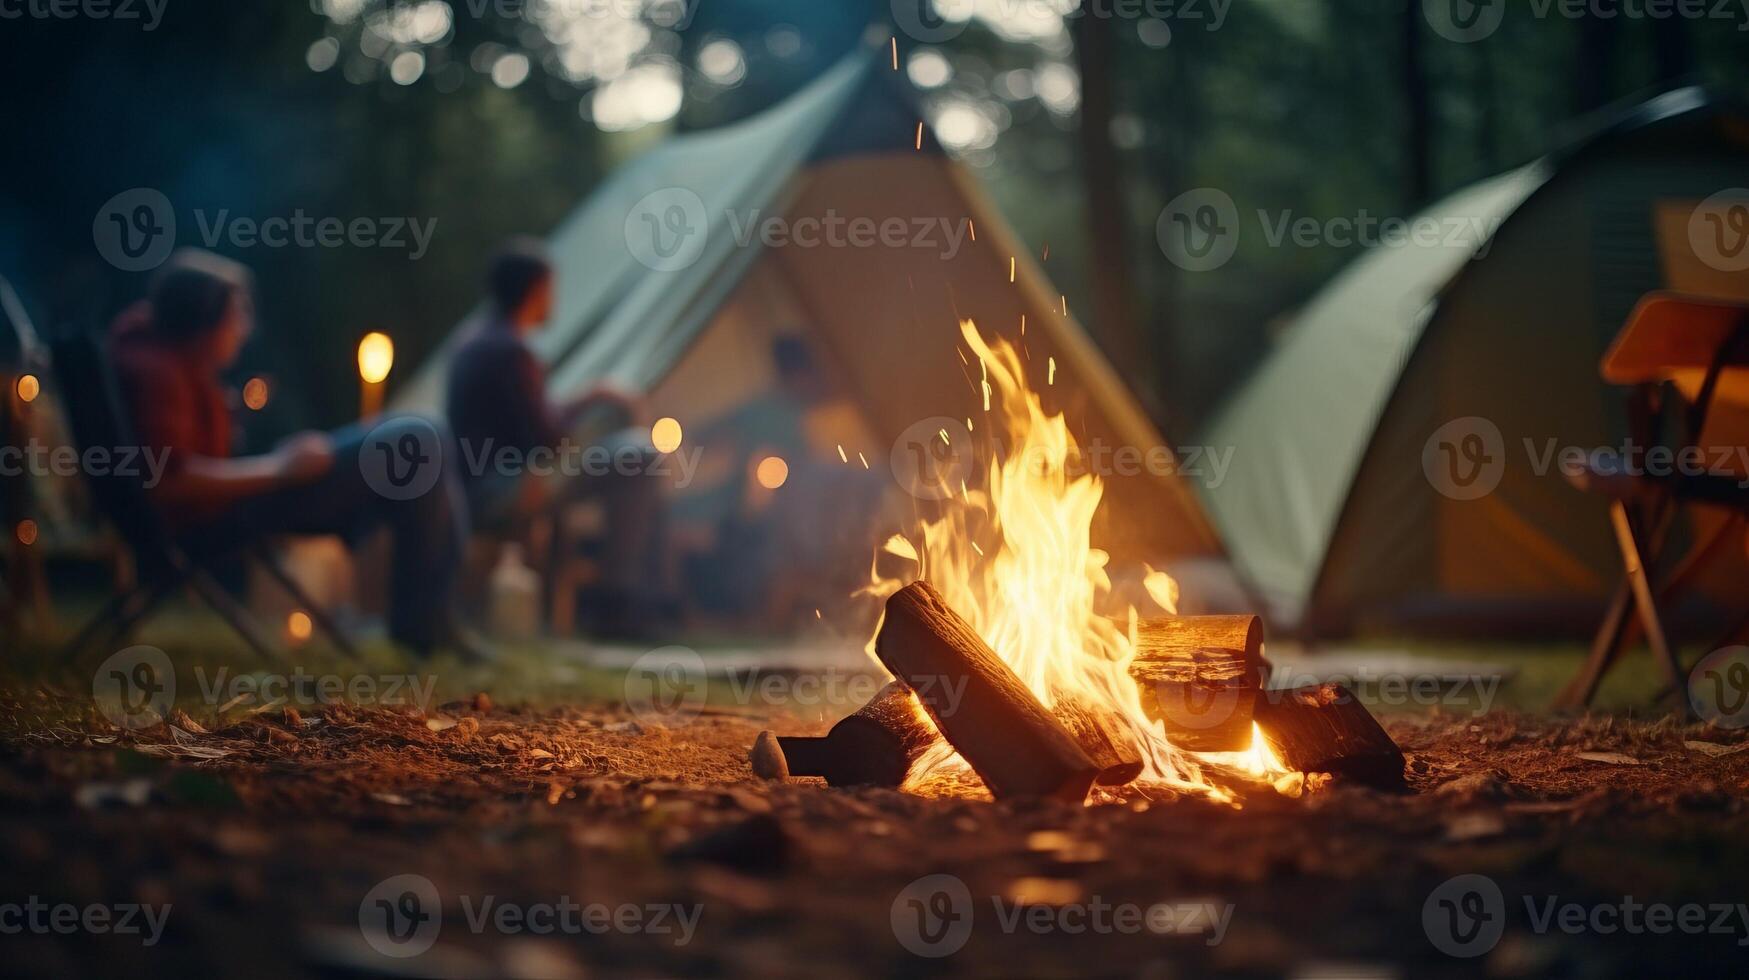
x: 1329, y: 509
x: 883, y: 320
x: 1301, y: 424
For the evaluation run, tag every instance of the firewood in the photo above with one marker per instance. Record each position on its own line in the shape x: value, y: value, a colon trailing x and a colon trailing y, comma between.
x: 1103, y: 735
x: 978, y: 703
x: 1325, y: 728
x: 1199, y: 676
x: 873, y: 747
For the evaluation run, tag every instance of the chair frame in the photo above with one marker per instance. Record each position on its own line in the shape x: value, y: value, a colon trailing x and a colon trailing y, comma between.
x: 1641, y: 534
x: 82, y: 370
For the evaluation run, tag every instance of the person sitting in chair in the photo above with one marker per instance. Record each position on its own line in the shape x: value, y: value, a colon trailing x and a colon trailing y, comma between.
x: 497, y: 401
x: 169, y: 350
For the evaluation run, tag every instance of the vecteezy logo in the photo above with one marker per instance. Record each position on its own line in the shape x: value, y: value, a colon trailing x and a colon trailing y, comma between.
x: 932, y: 916
x: 667, y: 229
x: 1464, y: 21
x: 401, y: 916
x: 402, y: 458
x: 924, y: 20
x: 666, y: 686
x: 135, y: 687
x: 932, y: 459
x: 1718, y: 230
x: 1718, y: 687
x: 1465, y: 458
x: 1199, y: 229
x: 135, y: 230
x: 1465, y: 916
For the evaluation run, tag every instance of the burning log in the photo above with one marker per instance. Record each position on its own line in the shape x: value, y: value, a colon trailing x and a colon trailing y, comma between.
x: 977, y: 702
x: 1105, y: 738
x: 873, y: 747
x: 1325, y: 728
x: 1199, y: 676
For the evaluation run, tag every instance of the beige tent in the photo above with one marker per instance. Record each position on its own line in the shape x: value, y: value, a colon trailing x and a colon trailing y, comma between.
x: 664, y: 290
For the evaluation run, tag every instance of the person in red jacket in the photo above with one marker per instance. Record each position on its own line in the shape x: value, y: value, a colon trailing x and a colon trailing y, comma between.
x: 169, y: 351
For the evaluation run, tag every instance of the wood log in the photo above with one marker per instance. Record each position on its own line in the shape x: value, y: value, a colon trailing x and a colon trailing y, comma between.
x: 1199, y: 676
x: 875, y: 746
x: 978, y: 703
x: 1325, y: 728
x: 1103, y: 735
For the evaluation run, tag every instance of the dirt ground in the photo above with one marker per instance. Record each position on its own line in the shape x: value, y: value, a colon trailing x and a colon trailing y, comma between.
x: 268, y: 837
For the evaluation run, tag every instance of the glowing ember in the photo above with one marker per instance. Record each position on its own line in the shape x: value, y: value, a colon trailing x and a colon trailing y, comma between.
x: 1013, y: 555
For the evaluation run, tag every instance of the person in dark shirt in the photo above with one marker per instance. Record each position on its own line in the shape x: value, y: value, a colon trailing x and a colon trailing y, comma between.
x: 497, y: 400
x: 497, y: 388
x: 169, y: 351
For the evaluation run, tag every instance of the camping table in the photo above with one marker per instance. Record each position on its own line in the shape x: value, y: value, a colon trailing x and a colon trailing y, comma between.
x: 1700, y: 347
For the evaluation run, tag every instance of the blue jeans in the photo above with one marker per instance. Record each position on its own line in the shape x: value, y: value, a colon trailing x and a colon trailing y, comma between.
x: 427, y: 531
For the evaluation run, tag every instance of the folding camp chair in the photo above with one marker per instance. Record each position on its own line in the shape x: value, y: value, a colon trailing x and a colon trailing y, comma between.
x: 1700, y: 347
x: 92, y: 403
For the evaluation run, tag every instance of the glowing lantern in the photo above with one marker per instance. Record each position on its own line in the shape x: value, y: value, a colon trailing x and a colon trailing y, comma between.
x: 376, y: 357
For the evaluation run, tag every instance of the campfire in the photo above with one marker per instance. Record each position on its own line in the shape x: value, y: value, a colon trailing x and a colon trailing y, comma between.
x: 1016, y: 669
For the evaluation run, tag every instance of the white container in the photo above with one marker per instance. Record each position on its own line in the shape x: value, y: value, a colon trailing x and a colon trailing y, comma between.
x: 515, y: 602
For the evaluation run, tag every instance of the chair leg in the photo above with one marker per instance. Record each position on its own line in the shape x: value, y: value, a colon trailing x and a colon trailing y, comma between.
x: 1644, y: 601
x: 233, y: 613
x: 1605, y: 648
x: 105, y: 617
x: 151, y: 597
x: 317, y: 614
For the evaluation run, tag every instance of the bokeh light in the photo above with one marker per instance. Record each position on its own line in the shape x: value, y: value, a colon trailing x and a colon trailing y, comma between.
x: 666, y: 435
x: 510, y: 70
x: 772, y: 472
x: 255, y: 394
x: 298, y: 625
x: 407, y: 67
x: 28, y: 388
x: 928, y: 69
x: 723, y: 62
x: 323, y: 53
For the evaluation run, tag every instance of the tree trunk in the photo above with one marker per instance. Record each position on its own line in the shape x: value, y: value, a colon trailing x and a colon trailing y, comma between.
x: 1672, y: 50
x: 1114, y: 319
x: 1593, y: 81
x: 1418, y: 108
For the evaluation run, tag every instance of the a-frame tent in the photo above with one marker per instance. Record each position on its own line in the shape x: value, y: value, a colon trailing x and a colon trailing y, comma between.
x: 883, y: 321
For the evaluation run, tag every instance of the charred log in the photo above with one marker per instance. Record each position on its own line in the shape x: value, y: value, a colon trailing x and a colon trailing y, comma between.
x: 1325, y: 728
x: 873, y: 747
x: 1014, y: 744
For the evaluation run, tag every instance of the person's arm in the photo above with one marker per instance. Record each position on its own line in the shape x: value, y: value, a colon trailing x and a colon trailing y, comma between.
x: 202, y: 483
x: 604, y: 397
x: 536, y: 422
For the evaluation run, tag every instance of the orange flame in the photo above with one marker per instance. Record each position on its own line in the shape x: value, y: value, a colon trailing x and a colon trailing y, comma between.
x: 1013, y: 555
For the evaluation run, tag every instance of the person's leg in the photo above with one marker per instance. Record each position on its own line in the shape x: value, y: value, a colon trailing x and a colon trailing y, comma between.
x: 400, y: 474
